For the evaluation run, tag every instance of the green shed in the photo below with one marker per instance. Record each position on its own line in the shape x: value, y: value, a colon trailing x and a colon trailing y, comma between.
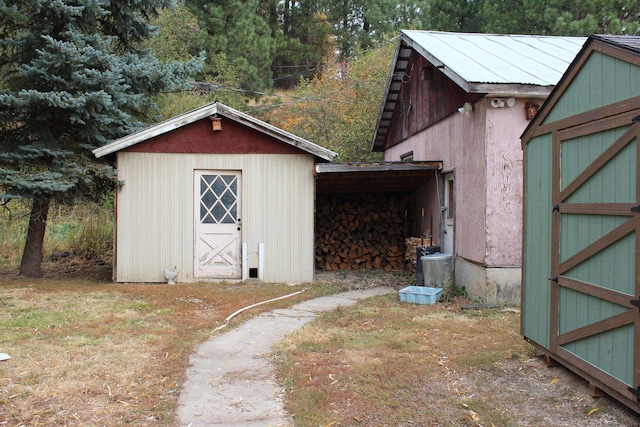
x: 580, y: 281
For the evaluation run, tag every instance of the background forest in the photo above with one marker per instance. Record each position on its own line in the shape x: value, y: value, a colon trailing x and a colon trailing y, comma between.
x: 302, y: 65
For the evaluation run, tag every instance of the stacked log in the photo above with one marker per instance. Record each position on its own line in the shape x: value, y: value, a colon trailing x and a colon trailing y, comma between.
x: 360, y: 232
x: 411, y: 246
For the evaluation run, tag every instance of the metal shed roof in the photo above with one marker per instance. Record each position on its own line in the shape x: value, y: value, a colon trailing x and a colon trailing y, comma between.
x: 208, y: 110
x: 485, y: 64
x: 631, y: 43
x: 479, y: 61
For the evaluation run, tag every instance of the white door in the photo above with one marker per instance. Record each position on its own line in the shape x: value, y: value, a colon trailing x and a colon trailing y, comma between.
x: 218, y: 232
x: 449, y: 213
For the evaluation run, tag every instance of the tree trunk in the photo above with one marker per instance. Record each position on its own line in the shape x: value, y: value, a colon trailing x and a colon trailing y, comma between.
x: 30, y: 265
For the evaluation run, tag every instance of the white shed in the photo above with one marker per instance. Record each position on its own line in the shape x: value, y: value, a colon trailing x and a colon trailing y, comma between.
x: 217, y: 195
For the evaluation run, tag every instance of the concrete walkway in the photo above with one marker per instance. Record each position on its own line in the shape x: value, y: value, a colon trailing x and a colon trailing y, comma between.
x: 231, y: 378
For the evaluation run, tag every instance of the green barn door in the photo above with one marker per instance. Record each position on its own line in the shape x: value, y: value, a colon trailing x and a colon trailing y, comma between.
x: 595, y: 317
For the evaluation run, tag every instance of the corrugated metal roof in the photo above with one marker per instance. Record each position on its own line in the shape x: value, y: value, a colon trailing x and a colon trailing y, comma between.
x: 208, y: 110
x: 499, y: 58
x: 631, y: 43
x: 484, y: 64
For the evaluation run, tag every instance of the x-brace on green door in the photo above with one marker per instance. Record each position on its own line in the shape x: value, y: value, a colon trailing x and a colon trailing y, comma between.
x: 595, y: 305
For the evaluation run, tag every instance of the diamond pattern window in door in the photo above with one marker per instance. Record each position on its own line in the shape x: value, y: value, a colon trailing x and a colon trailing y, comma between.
x: 218, y: 199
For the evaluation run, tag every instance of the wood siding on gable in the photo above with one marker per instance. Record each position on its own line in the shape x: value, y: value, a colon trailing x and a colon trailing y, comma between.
x: 602, y: 80
x: 198, y: 137
x: 155, y: 213
x: 426, y: 97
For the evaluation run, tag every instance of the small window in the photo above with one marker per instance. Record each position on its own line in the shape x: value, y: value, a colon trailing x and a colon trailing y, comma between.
x: 407, y: 157
x: 427, y: 73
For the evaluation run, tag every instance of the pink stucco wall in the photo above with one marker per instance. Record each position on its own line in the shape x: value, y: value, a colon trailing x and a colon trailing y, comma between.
x: 483, y: 151
x: 504, y: 186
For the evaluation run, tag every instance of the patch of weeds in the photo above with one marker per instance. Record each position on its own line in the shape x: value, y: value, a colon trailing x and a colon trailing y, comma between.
x: 36, y: 319
x: 308, y: 347
x: 15, y: 337
x: 484, y: 311
x: 134, y: 321
x: 457, y: 291
x: 483, y: 412
x: 84, y: 230
x: 165, y: 413
x: 93, y: 233
x: 60, y: 231
x: 134, y: 305
x: 484, y: 360
x: 7, y: 302
x: 312, y: 401
x: 162, y: 311
x: 362, y: 341
x: 398, y: 345
x: 82, y: 340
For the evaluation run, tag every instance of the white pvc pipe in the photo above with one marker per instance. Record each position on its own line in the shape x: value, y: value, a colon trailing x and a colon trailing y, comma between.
x: 232, y: 315
x: 245, y: 262
x: 261, y: 261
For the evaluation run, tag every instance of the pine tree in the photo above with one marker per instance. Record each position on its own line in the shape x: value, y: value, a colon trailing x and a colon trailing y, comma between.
x: 456, y: 15
x: 72, y: 77
x: 238, y: 32
x: 302, y: 39
x: 561, y: 17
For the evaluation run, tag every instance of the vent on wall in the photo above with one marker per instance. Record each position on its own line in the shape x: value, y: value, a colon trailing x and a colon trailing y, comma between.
x: 501, y: 102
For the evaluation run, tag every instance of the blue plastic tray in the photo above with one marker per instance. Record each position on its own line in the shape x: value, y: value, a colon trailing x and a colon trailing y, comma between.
x: 420, y: 294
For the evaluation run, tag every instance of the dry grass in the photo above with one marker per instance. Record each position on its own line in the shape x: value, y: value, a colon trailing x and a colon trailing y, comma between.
x: 88, y: 352
x: 85, y: 230
x: 388, y: 363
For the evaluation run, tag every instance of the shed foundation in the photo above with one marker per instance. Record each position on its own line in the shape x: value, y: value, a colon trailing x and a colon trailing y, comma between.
x: 489, y: 284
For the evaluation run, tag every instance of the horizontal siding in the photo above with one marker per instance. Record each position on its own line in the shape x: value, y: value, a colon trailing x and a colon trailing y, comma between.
x: 155, y: 213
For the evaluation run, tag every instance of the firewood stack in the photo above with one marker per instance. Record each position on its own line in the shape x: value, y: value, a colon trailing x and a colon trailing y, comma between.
x: 360, y: 232
x: 411, y: 254
x: 411, y: 246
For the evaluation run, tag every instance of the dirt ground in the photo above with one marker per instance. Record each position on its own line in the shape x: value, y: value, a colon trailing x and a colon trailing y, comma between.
x: 547, y: 396
x: 553, y: 396
x: 544, y: 395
